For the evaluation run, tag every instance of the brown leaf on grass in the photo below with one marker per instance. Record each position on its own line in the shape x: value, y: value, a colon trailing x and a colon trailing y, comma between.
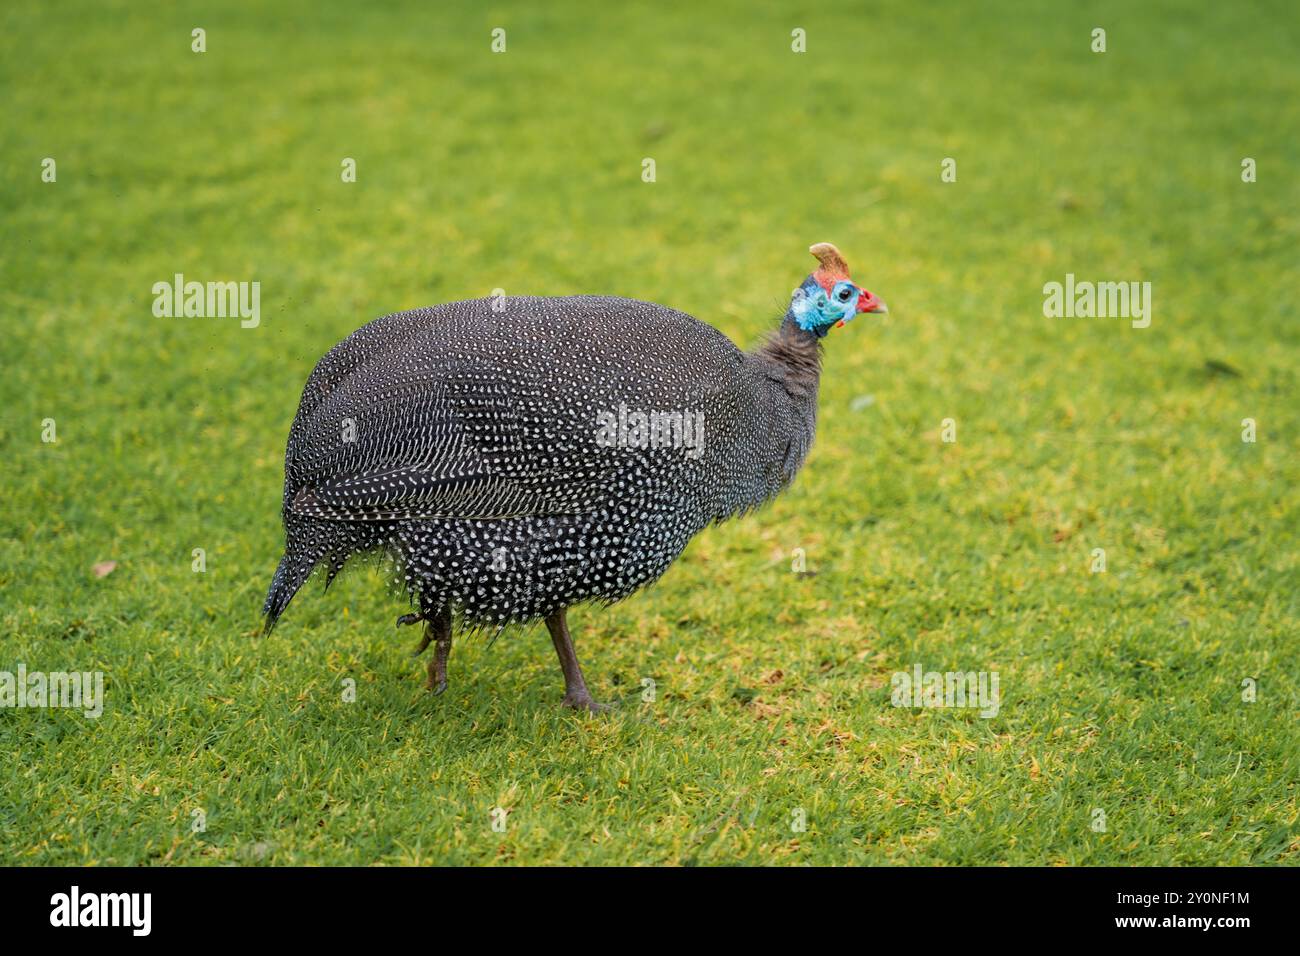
x: 103, y: 569
x: 838, y: 737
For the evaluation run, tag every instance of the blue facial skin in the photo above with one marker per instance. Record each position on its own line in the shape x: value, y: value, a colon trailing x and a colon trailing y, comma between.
x: 816, y: 311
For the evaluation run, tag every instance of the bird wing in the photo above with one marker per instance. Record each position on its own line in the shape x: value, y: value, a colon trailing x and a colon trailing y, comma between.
x: 410, y: 494
x: 451, y: 444
x: 461, y: 412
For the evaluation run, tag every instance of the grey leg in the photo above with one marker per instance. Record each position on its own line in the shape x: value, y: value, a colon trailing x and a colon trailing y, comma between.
x: 576, y: 694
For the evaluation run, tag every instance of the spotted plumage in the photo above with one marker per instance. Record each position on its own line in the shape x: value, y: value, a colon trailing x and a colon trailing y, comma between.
x: 473, y: 442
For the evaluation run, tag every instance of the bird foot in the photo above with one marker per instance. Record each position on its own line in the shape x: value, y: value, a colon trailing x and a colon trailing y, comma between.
x: 584, y: 701
x: 426, y: 640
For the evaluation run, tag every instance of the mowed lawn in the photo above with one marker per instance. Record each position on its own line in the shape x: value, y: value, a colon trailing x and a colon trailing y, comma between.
x: 1127, y: 692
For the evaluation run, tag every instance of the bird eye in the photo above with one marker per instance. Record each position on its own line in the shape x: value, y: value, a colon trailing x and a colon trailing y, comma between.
x: 844, y: 295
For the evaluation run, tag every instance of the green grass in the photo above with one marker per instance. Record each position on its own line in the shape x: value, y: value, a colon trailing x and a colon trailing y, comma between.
x: 1120, y: 691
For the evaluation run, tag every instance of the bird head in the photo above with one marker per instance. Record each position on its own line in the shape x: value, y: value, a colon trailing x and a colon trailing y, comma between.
x: 827, y: 298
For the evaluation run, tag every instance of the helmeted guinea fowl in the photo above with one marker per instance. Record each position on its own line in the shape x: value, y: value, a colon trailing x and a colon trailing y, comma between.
x: 517, y: 456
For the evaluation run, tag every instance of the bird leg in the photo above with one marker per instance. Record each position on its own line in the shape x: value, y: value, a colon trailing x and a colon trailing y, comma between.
x: 437, y: 631
x: 576, y: 694
x: 428, y: 633
x: 437, y: 681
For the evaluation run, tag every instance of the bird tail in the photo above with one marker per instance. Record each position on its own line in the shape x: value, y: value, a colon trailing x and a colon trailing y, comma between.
x: 289, y: 577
